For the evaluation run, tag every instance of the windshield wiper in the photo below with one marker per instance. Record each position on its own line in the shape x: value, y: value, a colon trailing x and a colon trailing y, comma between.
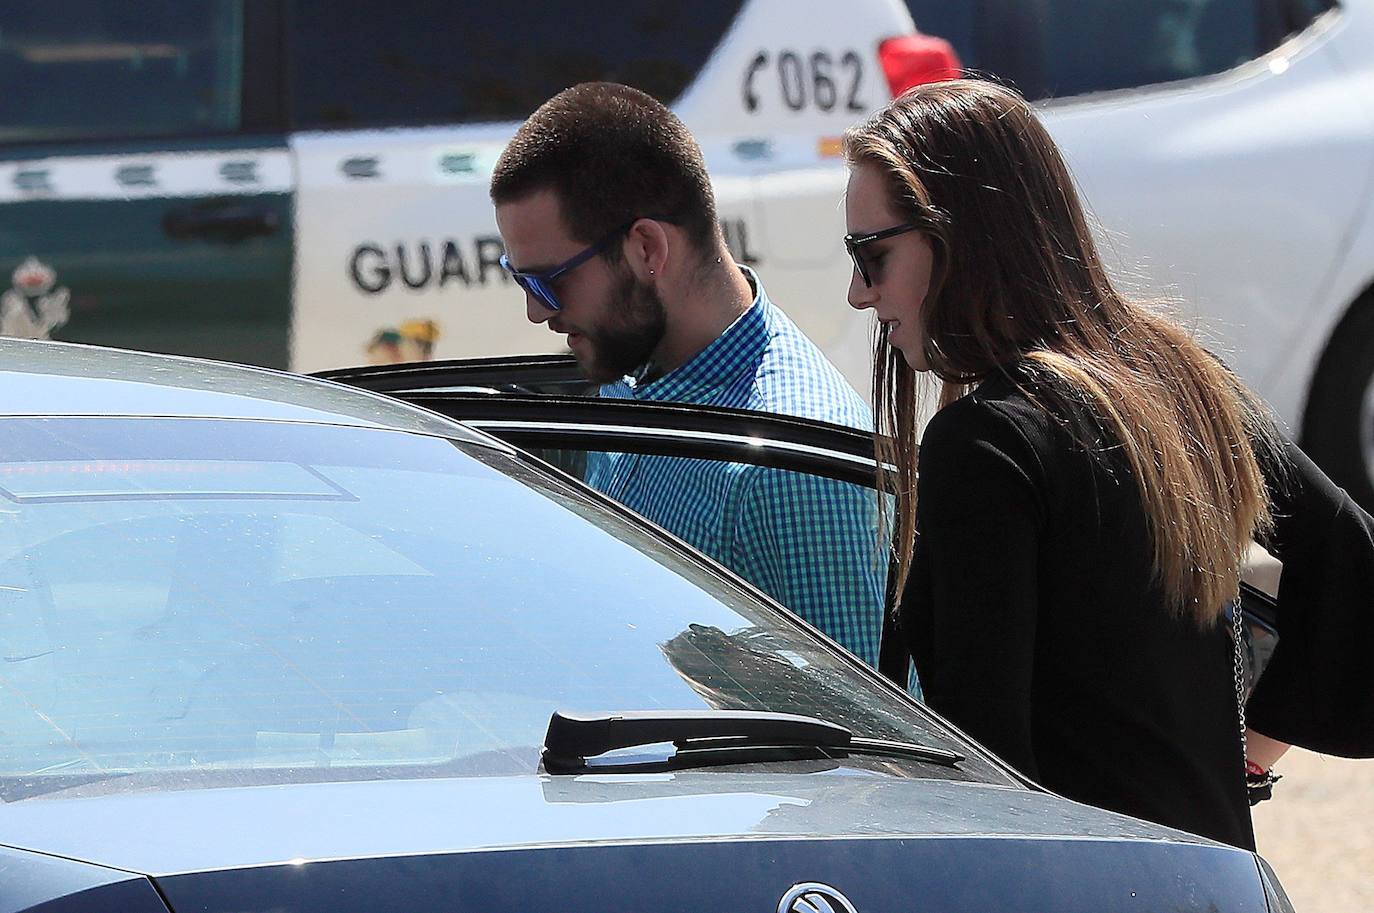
x: 707, y: 737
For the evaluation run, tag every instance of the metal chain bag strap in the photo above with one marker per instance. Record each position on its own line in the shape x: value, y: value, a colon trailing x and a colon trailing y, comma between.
x: 1259, y: 785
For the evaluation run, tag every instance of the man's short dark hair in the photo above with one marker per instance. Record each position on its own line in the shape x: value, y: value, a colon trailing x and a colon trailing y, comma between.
x: 611, y: 154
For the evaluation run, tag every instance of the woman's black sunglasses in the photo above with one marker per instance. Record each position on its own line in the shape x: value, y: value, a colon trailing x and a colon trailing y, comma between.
x: 852, y: 243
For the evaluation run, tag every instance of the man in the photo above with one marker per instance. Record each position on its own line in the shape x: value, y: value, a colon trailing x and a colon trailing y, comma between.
x: 609, y: 222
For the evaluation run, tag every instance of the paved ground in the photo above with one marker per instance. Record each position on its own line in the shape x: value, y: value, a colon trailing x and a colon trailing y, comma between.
x: 1318, y: 832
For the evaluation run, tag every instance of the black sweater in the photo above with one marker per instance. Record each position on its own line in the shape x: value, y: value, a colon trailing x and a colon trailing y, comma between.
x: 1036, y: 627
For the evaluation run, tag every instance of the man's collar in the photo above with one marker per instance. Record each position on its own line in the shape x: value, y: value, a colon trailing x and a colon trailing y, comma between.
x: 737, y: 348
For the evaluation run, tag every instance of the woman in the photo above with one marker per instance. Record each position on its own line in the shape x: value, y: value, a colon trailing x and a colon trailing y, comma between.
x: 1088, y: 487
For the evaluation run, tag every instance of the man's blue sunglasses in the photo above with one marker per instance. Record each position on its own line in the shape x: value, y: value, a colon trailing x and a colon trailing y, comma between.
x: 540, y: 285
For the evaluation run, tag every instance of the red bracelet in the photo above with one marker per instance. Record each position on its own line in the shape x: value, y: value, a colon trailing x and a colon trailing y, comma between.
x: 1254, y: 770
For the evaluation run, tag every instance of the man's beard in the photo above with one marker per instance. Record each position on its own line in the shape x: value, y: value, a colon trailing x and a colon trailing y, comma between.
x: 633, y: 330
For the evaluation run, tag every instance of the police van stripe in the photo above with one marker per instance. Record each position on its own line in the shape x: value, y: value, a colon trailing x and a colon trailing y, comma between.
x: 769, y: 153
x: 253, y: 171
x: 147, y: 175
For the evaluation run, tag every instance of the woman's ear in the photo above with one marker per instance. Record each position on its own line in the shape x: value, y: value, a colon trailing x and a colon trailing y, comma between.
x: 647, y: 249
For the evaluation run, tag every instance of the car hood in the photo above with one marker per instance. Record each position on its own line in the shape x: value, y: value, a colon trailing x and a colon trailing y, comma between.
x: 161, y: 833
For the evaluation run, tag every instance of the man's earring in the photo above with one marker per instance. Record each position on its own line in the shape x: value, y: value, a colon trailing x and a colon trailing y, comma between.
x: 651, y: 272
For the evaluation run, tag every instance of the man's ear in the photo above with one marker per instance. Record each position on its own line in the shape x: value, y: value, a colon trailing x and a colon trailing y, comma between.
x: 648, y: 247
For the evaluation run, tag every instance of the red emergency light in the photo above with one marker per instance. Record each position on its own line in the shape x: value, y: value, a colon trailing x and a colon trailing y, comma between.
x: 911, y: 60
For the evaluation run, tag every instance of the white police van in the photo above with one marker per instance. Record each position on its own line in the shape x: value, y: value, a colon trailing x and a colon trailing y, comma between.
x: 304, y: 184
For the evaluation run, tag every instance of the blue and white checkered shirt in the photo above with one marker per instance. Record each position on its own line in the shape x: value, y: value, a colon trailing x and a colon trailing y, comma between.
x: 809, y: 542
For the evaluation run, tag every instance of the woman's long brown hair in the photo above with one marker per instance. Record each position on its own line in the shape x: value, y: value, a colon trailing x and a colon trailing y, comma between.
x: 1019, y: 289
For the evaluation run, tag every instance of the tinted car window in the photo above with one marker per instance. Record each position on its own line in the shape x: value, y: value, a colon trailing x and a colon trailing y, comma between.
x: 1095, y: 46
x: 1299, y: 14
x: 957, y: 23
x: 368, y: 63
x: 191, y: 596
x: 1062, y: 48
x: 105, y: 68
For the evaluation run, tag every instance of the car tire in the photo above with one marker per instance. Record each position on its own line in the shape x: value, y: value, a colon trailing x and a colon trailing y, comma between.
x: 1338, y: 429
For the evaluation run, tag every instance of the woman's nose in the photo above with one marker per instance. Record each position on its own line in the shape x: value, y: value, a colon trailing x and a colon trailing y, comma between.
x: 861, y: 296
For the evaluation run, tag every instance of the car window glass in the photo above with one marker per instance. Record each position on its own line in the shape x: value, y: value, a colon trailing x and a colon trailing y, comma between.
x: 367, y: 63
x: 957, y: 23
x: 1064, y: 48
x: 1095, y: 46
x: 239, y: 596
x: 822, y: 533
x: 311, y: 546
x: 1299, y: 14
x: 103, y: 68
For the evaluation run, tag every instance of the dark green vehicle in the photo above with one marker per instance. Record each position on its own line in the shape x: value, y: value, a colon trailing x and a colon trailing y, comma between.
x: 145, y: 183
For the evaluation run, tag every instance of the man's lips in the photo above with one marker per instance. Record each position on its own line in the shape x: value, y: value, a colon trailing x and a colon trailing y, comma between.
x: 573, y: 335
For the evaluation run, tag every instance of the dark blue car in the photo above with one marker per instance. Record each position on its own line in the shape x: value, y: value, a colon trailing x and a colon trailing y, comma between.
x: 273, y: 644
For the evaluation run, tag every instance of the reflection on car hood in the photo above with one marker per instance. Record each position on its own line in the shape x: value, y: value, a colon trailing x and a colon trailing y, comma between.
x: 182, y: 831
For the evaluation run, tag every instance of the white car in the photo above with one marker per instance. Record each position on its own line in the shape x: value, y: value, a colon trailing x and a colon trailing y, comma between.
x: 1227, y: 149
x: 304, y: 185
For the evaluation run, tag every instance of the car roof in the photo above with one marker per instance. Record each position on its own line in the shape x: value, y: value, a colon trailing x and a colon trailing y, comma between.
x: 40, y: 378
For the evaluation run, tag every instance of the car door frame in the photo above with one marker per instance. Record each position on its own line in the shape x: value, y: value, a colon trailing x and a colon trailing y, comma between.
x: 534, y: 402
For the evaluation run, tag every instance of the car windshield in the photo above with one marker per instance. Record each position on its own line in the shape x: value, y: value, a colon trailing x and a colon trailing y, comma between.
x: 238, y: 597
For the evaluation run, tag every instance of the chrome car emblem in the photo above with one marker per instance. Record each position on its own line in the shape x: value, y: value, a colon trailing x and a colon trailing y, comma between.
x: 814, y: 897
